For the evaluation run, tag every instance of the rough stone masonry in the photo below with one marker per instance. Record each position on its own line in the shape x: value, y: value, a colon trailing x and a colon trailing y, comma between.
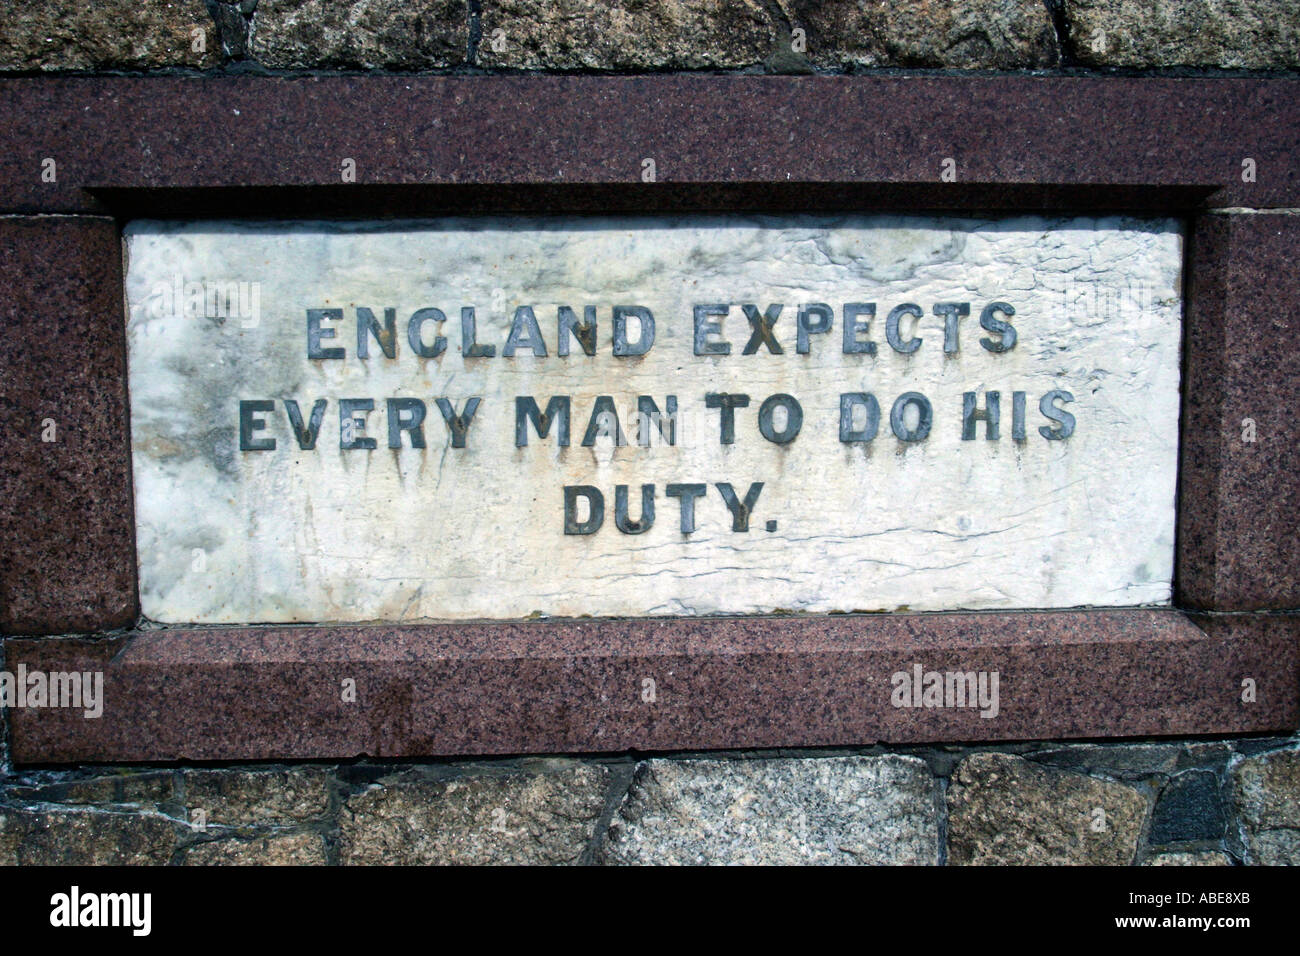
x: 1160, y: 802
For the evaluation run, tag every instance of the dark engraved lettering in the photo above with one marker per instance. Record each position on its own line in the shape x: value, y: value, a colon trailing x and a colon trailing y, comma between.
x: 250, y: 420
x: 853, y: 400
x: 952, y: 313
x: 621, y: 519
x: 1005, y: 331
x: 989, y: 415
x: 567, y: 325
x: 1063, y: 419
x: 804, y: 326
x: 728, y: 403
x: 595, y: 509
x: 687, y: 493
x: 352, y: 428
x: 706, y: 327
x: 622, y: 347
x: 602, y: 413
x: 767, y: 419
x: 762, y: 323
x: 385, y: 335
x: 741, y: 512
x: 897, y: 419
x: 418, y: 318
x: 306, y: 434
x: 458, y: 424
x: 649, y: 416
x: 524, y: 333
x: 316, y: 332
x: 399, y: 421
x: 891, y: 328
x: 853, y: 345
x: 557, y: 413
x: 469, y: 346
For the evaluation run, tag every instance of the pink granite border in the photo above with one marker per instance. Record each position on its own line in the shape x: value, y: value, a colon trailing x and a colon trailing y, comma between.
x: 261, y: 693
x: 580, y: 686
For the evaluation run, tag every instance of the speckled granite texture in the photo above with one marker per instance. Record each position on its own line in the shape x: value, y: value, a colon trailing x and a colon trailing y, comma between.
x: 722, y: 683
x: 1204, y: 802
x: 67, y: 528
x: 1173, y: 145
x: 1240, y: 470
x: 1079, y: 140
x: 1020, y: 136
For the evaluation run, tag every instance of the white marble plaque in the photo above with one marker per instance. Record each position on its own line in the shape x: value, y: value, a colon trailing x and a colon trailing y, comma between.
x: 250, y: 508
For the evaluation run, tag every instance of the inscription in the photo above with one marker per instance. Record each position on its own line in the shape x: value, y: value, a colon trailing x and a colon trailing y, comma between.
x: 451, y: 419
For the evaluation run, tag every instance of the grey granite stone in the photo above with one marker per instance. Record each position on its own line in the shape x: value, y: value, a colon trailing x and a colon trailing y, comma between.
x: 289, y: 849
x: 651, y: 34
x: 964, y: 34
x: 1189, y: 858
x: 1266, y: 792
x: 106, y: 34
x: 1232, y: 34
x: 239, y: 798
x: 1003, y: 809
x: 84, y: 837
x: 362, y: 35
x: 546, y: 816
x: 778, y: 811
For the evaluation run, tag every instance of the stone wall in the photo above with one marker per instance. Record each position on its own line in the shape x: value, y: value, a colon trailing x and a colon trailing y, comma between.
x: 779, y: 36
x: 1205, y: 803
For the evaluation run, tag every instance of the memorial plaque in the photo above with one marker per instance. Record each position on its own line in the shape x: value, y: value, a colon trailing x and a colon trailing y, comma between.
x: 505, y: 418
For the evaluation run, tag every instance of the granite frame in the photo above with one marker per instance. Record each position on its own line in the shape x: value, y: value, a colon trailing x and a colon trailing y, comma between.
x: 270, y: 146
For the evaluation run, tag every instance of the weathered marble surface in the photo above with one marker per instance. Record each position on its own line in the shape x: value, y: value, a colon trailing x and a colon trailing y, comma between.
x: 441, y: 532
